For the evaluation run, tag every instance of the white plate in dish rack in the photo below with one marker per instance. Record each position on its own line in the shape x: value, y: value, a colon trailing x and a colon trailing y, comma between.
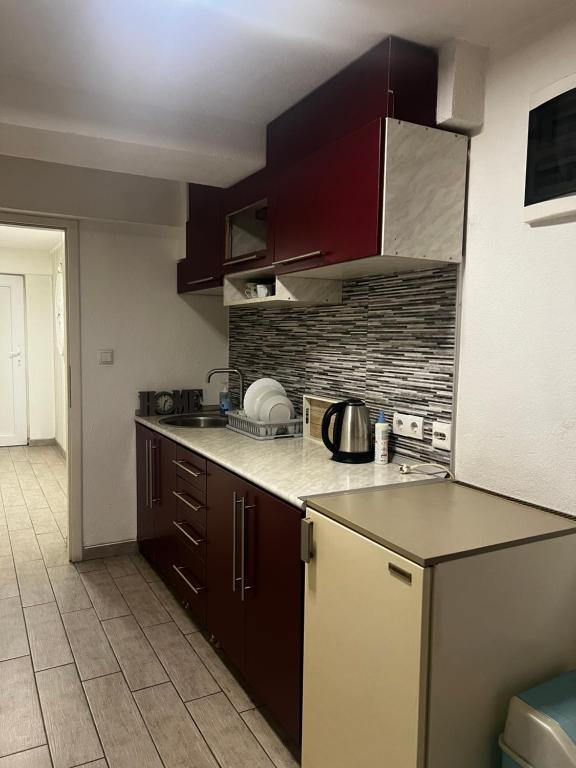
x: 255, y: 391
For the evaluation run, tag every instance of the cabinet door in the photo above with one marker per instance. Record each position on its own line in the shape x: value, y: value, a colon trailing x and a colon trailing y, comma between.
x: 202, y: 267
x: 164, y: 452
x: 273, y: 605
x: 145, y: 520
x: 327, y: 208
x: 365, y: 647
x: 225, y: 610
x: 396, y: 78
x: 244, y: 195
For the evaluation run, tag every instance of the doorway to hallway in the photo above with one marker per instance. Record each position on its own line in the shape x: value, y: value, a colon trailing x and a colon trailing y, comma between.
x: 34, y: 384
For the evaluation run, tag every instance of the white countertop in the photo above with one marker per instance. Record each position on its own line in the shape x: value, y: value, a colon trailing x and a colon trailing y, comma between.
x: 291, y: 468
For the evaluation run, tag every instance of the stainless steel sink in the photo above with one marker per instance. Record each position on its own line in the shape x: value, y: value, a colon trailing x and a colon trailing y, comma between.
x: 198, y: 420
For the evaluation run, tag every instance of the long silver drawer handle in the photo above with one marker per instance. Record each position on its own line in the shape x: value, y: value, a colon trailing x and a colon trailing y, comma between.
x: 147, y: 444
x: 235, y: 502
x: 182, y: 465
x: 181, y: 528
x: 243, y: 544
x: 254, y: 256
x: 184, y: 500
x: 153, y: 499
x: 299, y: 258
x: 196, y: 590
x: 202, y: 280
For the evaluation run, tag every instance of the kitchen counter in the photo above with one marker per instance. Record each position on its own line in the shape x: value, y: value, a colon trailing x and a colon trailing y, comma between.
x: 441, y: 521
x: 293, y: 469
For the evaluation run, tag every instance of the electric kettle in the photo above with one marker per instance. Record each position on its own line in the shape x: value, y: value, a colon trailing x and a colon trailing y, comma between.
x: 351, y: 435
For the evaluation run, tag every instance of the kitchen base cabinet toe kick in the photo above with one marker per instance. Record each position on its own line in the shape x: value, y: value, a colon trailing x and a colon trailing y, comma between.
x: 231, y: 552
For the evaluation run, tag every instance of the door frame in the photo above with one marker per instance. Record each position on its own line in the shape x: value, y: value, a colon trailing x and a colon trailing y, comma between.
x: 74, y: 387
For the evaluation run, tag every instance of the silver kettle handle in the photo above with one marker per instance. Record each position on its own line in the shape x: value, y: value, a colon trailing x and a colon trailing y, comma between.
x: 334, y: 409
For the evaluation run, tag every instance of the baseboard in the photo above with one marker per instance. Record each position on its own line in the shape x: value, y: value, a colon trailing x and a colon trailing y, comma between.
x: 60, y: 450
x: 110, y: 550
x: 38, y: 443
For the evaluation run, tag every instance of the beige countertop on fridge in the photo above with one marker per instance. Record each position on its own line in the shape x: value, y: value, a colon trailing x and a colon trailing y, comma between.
x: 432, y: 522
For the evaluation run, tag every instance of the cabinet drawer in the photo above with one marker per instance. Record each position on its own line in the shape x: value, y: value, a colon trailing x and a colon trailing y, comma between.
x: 195, y: 541
x: 191, y: 467
x: 190, y: 505
x: 188, y: 579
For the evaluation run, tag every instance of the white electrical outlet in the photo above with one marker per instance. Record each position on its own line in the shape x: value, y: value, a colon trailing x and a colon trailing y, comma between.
x: 441, y: 435
x: 408, y: 426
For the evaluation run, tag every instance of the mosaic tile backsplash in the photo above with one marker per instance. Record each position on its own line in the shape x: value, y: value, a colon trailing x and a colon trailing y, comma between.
x: 391, y: 343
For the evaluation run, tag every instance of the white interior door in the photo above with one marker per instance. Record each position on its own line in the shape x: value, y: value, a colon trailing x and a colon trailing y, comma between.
x: 13, y: 397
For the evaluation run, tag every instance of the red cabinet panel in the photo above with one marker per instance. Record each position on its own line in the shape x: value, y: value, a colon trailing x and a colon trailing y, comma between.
x: 145, y: 520
x: 244, y: 194
x: 225, y: 611
x: 202, y: 267
x: 253, y: 552
x: 273, y: 658
x: 163, y: 509
x: 327, y: 208
x: 396, y: 78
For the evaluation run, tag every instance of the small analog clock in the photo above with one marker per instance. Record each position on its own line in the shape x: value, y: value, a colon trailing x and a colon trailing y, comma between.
x: 163, y: 403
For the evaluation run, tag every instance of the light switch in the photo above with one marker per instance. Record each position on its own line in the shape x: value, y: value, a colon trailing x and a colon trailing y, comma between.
x: 105, y: 357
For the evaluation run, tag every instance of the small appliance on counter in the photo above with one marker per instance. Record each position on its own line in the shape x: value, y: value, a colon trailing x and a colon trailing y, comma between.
x: 351, y: 443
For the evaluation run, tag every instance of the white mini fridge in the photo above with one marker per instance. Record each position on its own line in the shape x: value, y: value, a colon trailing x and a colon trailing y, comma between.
x: 364, y: 659
x: 426, y: 607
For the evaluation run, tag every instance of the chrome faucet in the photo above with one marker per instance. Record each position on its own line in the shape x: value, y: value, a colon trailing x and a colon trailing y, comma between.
x: 229, y: 370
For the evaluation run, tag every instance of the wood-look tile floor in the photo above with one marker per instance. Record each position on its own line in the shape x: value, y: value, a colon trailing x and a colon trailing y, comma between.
x: 99, y: 664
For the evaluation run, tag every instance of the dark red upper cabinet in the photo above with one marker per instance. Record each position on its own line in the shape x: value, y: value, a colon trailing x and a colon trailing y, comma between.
x: 327, y: 207
x: 396, y: 78
x: 248, y: 240
x: 202, y: 267
x: 319, y: 199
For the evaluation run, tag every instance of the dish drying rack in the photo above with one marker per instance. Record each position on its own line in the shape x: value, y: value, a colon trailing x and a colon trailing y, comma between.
x: 263, y: 430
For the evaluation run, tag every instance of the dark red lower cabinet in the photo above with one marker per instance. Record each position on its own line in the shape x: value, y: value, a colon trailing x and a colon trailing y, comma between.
x: 225, y: 611
x: 255, y: 591
x: 273, y: 606
x: 148, y: 490
x: 145, y: 533
x: 231, y: 553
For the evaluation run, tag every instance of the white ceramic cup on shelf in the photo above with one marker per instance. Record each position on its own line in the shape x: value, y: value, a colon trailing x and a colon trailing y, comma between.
x: 263, y: 290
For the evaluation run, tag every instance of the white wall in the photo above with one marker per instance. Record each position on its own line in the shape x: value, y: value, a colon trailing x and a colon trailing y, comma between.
x: 37, y: 270
x: 516, y: 421
x: 62, y: 190
x: 160, y: 341
x: 15, y: 262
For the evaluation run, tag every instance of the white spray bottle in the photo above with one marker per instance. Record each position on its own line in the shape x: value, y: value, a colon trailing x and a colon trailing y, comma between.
x: 382, y: 436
